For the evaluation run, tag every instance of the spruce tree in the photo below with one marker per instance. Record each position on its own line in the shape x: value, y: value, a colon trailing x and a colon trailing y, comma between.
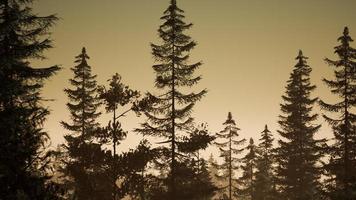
x: 83, y: 101
x: 342, y: 163
x: 248, y: 178
x: 265, y: 183
x: 299, y: 151
x: 228, y: 143
x: 170, y: 116
x: 84, y: 153
x: 24, y: 36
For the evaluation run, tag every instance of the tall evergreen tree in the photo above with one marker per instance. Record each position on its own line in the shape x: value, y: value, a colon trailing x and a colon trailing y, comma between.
x: 83, y: 101
x: 23, y: 159
x: 228, y: 143
x: 84, y: 153
x: 169, y: 117
x: 248, y: 177
x: 299, y: 151
x: 265, y: 183
x: 342, y: 164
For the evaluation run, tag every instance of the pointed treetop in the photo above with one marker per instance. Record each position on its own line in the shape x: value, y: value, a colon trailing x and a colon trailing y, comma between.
x: 251, y: 141
x: 345, y: 39
x: 229, y: 116
x: 83, y: 56
x: 346, y: 31
x: 301, y: 57
x: 300, y: 53
x: 266, y: 130
x: 229, y: 119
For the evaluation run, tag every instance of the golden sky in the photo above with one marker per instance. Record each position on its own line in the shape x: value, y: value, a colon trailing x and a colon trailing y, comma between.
x: 247, y: 47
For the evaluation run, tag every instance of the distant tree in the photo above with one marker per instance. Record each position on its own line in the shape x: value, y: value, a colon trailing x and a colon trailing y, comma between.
x: 169, y: 117
x: 265, y: 180
x: 228, y: 142
x: 201, y: 181
x: 85, y: 155
x: 342, y: 163
x: 248, y: 178
x: 213, y: 169
x: 299, y: 152
x: 205, y: 188
x: 24, y: 36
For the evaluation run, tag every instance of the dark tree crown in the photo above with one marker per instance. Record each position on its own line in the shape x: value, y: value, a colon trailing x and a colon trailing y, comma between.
x: 299, y: 151
x: 342, y: 163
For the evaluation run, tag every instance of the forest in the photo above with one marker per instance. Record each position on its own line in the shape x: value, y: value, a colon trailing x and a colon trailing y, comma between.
x: 295, y: 162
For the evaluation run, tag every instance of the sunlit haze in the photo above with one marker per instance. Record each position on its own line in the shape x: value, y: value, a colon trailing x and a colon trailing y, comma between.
x: 248, y: 48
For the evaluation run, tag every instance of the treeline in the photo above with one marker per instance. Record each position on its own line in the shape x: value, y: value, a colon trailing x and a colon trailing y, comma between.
x: 90, y: 164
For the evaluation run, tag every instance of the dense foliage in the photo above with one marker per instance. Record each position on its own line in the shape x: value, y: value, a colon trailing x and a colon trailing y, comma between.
x: 23, y: 157
x: 299, y: 152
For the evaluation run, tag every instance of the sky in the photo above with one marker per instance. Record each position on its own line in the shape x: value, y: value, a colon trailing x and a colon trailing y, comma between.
x: 248, y: 48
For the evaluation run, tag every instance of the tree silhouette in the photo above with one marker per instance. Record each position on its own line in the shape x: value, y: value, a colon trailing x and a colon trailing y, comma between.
x: 23, y: 157
x: 265, y: 183
x: 84, y: 107
x: 169, y: 116
x: 85, y: 155
x: 116, y: 95
x: 299, y: 151
x: 248, y: 178
x: 228, y: 149
x: 342, y: 164
x: 130, y: 165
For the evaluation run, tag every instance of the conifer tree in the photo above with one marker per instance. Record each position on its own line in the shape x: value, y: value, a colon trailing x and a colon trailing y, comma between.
x: 299, y: 151
x: 84, y: 153
x: 228, y: 143
x: 248, y: 178
x: 342, y: 163
x: 169, y: 117
x: 83, y: 101
x: 24, y: 36
x: 265, y: 183
x: 117, y: 95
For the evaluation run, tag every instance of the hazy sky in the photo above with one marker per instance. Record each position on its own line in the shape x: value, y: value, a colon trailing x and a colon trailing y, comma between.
x: 247, y: 46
